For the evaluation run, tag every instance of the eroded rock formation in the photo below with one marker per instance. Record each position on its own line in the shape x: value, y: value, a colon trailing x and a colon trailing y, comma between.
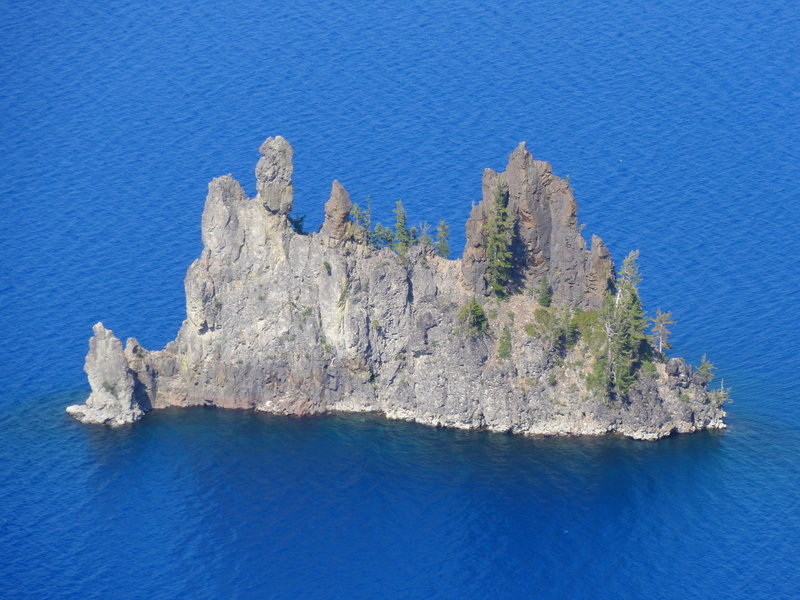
x: 113, y: 400
x: 301, y: 324
x: 548, y: 240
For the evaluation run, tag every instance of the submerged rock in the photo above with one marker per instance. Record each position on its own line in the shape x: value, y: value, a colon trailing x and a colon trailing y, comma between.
x: 300, y: 324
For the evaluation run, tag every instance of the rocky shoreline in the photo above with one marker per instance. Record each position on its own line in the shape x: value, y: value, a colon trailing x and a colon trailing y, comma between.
x: 300, y: 324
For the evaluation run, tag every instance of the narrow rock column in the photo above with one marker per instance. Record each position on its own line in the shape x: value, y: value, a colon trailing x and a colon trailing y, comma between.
x: 274, y: 176
x: 112, y: 400
x: 337, y: 213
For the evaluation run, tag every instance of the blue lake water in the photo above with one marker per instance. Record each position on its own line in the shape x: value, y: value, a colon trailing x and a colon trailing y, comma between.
x: 679, y: 125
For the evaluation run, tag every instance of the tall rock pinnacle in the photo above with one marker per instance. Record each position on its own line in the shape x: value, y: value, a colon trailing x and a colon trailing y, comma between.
x: 274, y: 175
x: 337, y: 213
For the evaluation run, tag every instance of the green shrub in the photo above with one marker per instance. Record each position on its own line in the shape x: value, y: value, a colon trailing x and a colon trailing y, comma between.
x: 473, y: 318
x: 649, y: 369
x: 544, y: 293
x: 504, y: 348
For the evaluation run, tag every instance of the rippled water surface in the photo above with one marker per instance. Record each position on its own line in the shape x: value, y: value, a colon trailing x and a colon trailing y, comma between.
x: 679, y: 125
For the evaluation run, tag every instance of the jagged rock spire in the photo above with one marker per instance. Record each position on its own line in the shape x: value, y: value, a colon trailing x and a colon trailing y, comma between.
x: 337, y: 212
x: 547, y: 240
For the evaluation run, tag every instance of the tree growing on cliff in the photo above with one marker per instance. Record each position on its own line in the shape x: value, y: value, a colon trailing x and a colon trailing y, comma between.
x: 363, y: 217
x: 623, y: 325
x: 660, y: 333
x: 442, y: 246
x: 499, y: 237
x: 382, y: 236
x: 424, y: 238
x: 544, y: 293
x: 403, y: 238
x: 473, y: 318
x: 706, y: 368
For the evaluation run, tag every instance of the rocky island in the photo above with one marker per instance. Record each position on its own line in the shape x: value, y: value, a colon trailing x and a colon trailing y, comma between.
x: 530, y: 331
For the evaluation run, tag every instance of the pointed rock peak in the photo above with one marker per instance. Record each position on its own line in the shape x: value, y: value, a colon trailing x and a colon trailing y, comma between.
x: 522, y: 149
x: 598, y: 246
x: 520, y: 162
x: 101, y: 332
x: 521, y: 154
x: 274, y: 175
x: 337, y: 212
x: 112, y: 399
x: 339, y: 195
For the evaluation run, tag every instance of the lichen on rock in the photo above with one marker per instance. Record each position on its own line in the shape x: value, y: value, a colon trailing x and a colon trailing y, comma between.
x: 301, y: 324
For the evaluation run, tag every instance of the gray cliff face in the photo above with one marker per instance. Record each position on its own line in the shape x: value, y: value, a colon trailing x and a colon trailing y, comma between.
x: 303, y: 324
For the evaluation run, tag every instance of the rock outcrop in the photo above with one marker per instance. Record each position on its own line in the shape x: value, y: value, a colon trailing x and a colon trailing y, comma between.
x: 548, y: 241
x: 113, y: 400
x: 301, y: 324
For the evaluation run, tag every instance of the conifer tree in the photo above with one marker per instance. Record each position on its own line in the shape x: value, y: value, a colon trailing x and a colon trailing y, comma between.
x: 473, y: 318
x: 382, y: 236
x: 402, y: 236
x: 623, y: 324
x: 442, y: 238
x: 544, y: 293
x: 660, y: 332
x: 363, y: 217
x: 499, y: 236
x: 424, y: 238
x: 706, y: 369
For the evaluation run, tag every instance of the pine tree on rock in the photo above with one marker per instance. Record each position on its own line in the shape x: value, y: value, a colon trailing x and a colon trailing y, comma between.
x: 442, y: 246
x: 424, y: 238
x: 499, y: 236
x: 623, y: 323
x: 363, y: 217
x: 660, y: 332
x: 403, y: 238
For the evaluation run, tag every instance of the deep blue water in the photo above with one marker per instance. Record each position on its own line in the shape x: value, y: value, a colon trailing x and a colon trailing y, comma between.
x: 679, y: 125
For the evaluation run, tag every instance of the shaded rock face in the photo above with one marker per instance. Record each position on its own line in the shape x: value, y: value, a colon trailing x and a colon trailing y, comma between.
x: 302, y: 324
x: 547, y: 240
